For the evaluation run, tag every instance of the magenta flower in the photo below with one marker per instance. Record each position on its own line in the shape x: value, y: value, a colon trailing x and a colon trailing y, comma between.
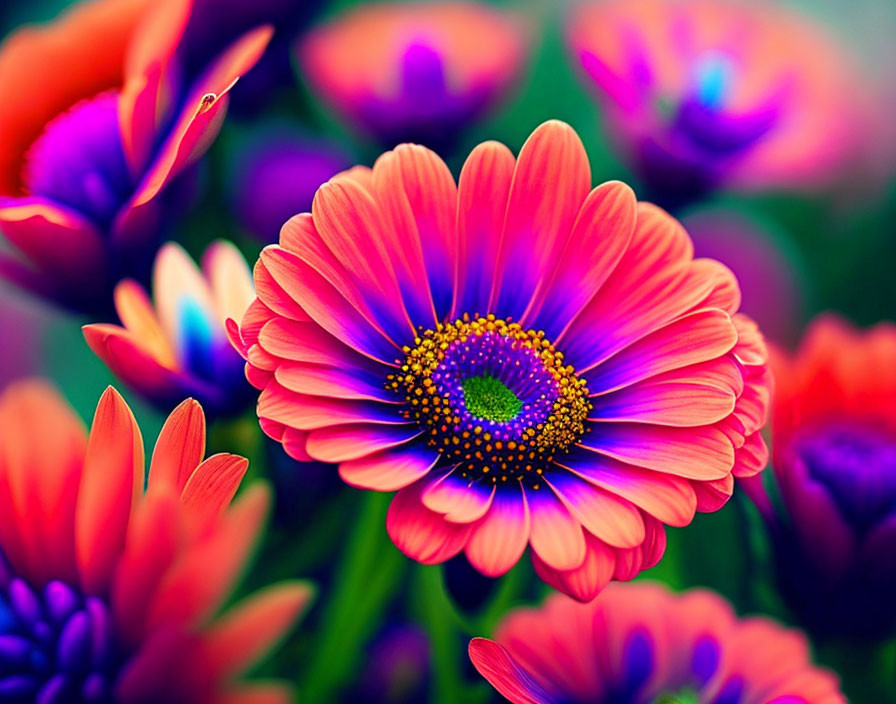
x: 704, y: 94
x: 526, y: 359
x: 414, y: 73
x: 641, y: 644
x: 96, y: 122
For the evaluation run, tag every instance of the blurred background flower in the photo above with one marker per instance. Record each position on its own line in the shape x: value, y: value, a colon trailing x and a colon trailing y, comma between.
x: 831, y: 510
x: 108, y: 594
x: 705, y: 94
x: 415, y: 73
x: 274, y: 173
x: 175, y: 346
x: 641, y: 643
x: 769, y: 269
x: 87, y: 152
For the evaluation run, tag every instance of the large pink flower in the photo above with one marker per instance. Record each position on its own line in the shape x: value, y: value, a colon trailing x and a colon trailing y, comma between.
x: 640, y: 644
x: 527, y: 360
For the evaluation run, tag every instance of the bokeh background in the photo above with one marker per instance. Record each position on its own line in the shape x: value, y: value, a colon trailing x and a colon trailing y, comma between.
x: 384, y: 629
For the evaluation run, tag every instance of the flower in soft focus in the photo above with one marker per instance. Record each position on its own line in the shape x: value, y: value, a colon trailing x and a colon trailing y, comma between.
x: 216, y: 23
x: 525, y: 359
x: 641, y: 644
x: 176, y: 346
x: 276, y: 173
x: 397, y: 669
x: 768, y: 270
x: 706, y: 94
x: 109, y: 594
x: 96, y: 121
x: 834, y: 459
x: 414, y: 73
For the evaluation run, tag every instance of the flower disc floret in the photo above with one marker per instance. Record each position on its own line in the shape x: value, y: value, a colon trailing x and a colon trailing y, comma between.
x: 495, y: 399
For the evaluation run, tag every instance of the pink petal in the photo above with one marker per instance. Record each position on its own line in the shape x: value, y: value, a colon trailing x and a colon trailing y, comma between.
x: 610, y: 518
x: 344, y: 243
x: 482, y: 206
x: 198, y: 124
x: 550, y: 183
x: 391, y: 469
x: 691, y: 339
x: 56, y: 240
x: 602, y: 231
x: 419, y: 196
x: 316, y: 380
x: 669, y: 498
x: 499, y: 540
x: 694, y: 453
x: 421, y: 534
x: 110, y: 485
x: 667, y: 402
x: 142, y: 105
x: 179, y: 448
x: 587, y: 580
x: 327, y: 306
x: 505, y: 674
x: 341, y: 443
x: 555, y: 536
x: 458, y: 499
x: 312, y: 412
x: 309, y: 342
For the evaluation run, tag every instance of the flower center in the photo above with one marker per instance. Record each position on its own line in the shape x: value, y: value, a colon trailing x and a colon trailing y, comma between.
x: 858, y: 464
x: 684, y: 696
x: 55, y: 645
x: 486, y: 397
x: 496, y: 400
x: 79, y: 160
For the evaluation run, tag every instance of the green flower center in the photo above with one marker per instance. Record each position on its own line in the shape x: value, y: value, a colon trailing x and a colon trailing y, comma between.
x: 487, y: 397
x: 684, y: 696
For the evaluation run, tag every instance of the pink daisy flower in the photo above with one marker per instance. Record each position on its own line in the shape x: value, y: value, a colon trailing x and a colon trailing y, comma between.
x: 641, y: 644
x: 109, y: 593
x: 525, y: 359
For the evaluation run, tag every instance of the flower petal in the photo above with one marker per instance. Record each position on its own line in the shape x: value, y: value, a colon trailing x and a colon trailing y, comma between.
x: 390, y: 469
x: 341, y: 443
x: 550, y: 183
x: 555, y: 536
x: 499, y: 540
x: 505, y: 674
x: 111, y: 483
x: 421, y: 534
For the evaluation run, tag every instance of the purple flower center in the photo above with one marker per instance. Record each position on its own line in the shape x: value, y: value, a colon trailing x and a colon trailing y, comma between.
x: 497, y: 401
x: 858, y: 464
x: 56, y: 645
x: 79, y: 161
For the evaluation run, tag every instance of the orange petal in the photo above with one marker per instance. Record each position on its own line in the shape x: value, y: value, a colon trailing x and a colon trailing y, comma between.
x: 180, y: 447
x: 111, y: 483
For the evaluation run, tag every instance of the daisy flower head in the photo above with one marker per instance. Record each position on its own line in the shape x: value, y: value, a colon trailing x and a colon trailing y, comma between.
x: 525, y: 359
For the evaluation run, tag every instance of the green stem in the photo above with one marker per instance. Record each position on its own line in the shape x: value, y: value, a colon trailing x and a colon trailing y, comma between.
x: 447, y: 643
x: 367, y: 577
